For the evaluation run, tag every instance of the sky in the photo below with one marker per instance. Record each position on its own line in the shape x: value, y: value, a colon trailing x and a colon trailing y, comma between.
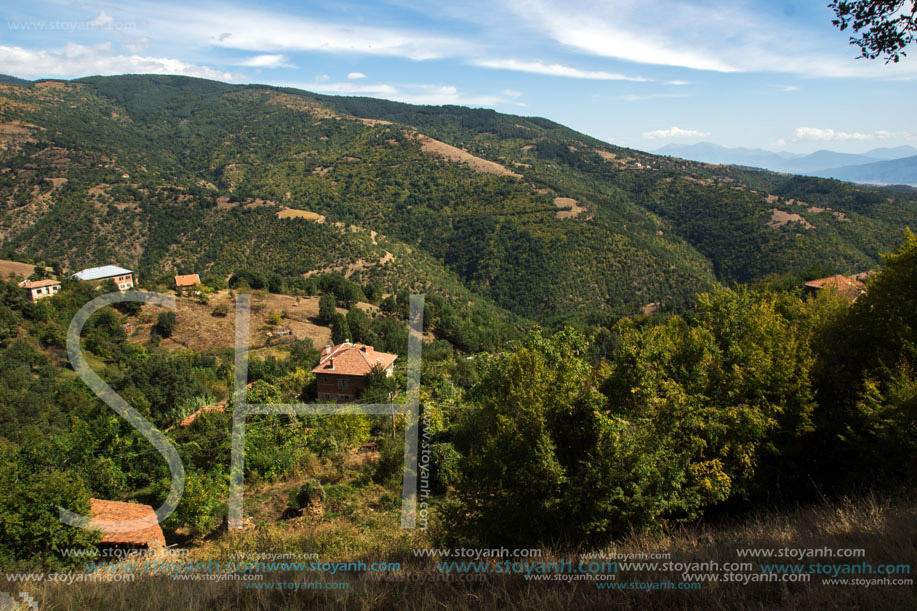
x: 638, y: 73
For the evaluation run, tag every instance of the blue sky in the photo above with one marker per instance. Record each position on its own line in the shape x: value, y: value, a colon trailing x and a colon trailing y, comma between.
x: 638, y: 73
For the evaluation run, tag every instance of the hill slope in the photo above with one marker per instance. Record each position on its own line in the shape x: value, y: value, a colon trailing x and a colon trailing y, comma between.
x: 168, y: 173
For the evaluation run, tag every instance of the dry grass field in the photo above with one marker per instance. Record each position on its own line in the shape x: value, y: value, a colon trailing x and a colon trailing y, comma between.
x: 199, y: 329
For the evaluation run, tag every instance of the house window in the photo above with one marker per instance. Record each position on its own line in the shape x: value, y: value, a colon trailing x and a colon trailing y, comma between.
x: 342, y: 384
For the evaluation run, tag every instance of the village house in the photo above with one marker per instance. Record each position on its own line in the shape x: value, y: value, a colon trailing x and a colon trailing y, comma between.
x: 341, y: 371
x: 851, y: 287
x: 104, y: 513
x: 187, y: 282
x: 39, y: 289
x: 202, y: 410
x: 123, y: 278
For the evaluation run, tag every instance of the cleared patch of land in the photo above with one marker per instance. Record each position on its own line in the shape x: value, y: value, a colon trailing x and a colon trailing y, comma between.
x: 452, y: 153
x: 569, y: 207
x: 20, y: 270
x: 292, y: 213
x: 779, y: 218
x: 197, y: 328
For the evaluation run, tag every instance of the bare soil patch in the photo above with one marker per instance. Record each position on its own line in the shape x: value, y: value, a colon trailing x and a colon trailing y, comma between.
x: 292, y: 213
x: 452, y: 153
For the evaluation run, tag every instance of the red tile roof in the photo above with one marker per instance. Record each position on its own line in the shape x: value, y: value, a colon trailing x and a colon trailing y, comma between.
x: 189, y: 280
x: 849, y: 286
x: 352, y: 359
x: 37, y: 284
x: 106, y: 512
x: 207, y: 408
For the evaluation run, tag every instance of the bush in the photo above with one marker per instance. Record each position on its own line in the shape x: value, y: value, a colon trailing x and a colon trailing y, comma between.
x: 391, y: 461
x: 310, y: 493
x: 445, y: 466
x: 221, y: 309
x: 165, y: 324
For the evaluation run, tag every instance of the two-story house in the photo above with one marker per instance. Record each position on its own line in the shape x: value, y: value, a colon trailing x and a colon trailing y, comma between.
x: 341, y: 371
x: 123, y: 278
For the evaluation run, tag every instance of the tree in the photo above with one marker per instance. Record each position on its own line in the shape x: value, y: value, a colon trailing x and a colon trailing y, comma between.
x: 165, y: 324
x: 886, y: 26
x: 358, y: 323
x: 327, y: 305
x: 340, y: 330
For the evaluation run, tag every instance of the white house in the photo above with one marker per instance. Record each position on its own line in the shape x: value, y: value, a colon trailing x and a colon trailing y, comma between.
x: 39, y: 289
x: 123, y: 278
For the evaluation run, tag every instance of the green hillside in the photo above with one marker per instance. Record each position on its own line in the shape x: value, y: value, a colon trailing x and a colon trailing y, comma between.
x: 171, y: 173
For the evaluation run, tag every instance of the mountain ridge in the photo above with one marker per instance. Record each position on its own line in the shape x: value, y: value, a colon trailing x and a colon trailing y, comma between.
x: 170, y: 173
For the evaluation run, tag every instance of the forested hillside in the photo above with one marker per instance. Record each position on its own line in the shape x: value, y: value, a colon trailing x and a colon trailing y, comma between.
x: 168, y: 174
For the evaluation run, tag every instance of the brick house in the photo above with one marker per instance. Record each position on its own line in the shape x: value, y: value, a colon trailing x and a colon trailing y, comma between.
x: 103, y: 513
x: 341, y: 372
x: 123, y: 278
x: 39, y: 289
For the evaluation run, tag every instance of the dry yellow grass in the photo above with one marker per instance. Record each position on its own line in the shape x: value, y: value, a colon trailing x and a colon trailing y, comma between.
x: 292, y: 213
x: 197, y: 328
x: 20, y: 270
x: 883, y: 526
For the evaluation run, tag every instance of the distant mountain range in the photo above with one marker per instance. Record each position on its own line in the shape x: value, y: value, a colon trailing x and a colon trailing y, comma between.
x: 896, y: 165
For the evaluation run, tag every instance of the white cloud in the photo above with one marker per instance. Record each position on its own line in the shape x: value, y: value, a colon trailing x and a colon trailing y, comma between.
x: 79, y: 60
x: 356, y: 75
x: 538, y: 67
x: 676, y: 132
x: 323, y: 85
x: 272, y: 32
x: 138, y: 46
x: 713, y: 35
x: 512, y: 93
x: 410, y: 93
x: 102, y: 19
x: 267, y: 60
x: 816, y: 133
x: 678, y: 83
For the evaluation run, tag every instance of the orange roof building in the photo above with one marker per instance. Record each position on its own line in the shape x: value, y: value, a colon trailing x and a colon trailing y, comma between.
x: 850, y: 287
x: 187, y: 281
x: 342, y: 369
x: 203, y: 410
x: 104, y: 513
x: 39, y: 289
